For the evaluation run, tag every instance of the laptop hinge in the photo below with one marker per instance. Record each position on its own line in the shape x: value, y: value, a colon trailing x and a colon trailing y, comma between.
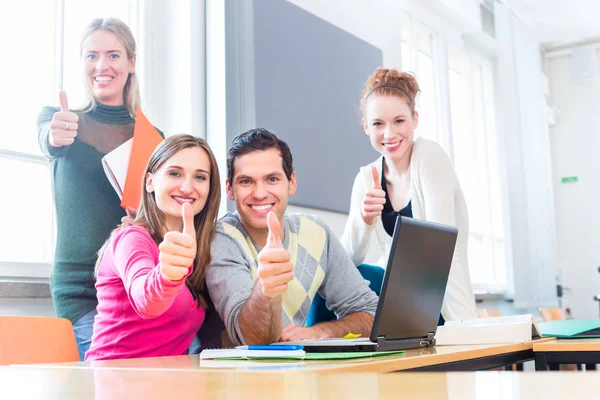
x: 430, y: 341
x: 380, y: 341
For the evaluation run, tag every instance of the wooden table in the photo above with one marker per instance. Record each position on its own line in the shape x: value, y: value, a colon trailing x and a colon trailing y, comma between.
x: 106, y: 383
x: 438, y: 358
x: 549, y: 354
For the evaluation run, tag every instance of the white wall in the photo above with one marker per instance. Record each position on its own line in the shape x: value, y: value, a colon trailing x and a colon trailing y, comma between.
x: 575, y: 142
x: 170, y: 37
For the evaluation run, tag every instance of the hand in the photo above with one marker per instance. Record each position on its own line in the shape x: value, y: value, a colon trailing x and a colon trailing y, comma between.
x: 130, y: 217
x: 63, y: 128
x: 178, y: 249
x: 275, y: 269
x: 373, y: 202
x: 293, y: 333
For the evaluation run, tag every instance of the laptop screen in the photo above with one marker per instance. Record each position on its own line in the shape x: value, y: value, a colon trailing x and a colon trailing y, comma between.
x: 415, y: 279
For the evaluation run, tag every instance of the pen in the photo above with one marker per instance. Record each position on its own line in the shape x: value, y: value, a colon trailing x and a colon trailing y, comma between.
x: 275, y: 347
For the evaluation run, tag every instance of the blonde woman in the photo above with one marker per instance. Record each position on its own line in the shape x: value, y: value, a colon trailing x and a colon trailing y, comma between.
x: 87, y: 207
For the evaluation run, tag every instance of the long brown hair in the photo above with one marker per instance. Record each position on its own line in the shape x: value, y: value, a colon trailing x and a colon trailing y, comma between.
x: 153, y: 219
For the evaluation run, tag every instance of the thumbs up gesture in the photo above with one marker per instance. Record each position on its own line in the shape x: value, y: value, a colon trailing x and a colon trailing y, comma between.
x: 373, y: 201
x: 178, y: 249
x: 63, y: 127
x: 275, y: 269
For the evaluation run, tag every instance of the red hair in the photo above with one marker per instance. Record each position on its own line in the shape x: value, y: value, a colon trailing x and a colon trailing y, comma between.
x: 390, y: 82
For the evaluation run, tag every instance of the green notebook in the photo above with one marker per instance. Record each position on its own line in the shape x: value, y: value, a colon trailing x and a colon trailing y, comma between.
x: 237, y: 354
x: 571, y: 328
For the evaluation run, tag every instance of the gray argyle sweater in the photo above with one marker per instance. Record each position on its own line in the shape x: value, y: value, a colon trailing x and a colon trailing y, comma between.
x: 320, y: 265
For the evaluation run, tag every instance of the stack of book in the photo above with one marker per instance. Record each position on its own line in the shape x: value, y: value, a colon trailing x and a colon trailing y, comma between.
x: 508, y: 329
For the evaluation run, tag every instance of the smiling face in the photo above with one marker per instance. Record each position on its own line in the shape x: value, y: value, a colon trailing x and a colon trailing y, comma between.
x: 390, y: 125
x: 183, y: 178
x: 260, y: 186
x: 107, y: 66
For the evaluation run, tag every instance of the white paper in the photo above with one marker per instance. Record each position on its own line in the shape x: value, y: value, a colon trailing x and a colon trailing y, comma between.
x: 115, y: 166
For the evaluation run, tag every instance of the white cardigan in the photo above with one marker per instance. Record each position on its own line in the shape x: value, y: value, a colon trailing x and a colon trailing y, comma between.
x: 436, y: 196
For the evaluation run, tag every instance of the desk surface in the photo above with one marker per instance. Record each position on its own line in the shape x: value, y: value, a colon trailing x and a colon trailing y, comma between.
x: 414, y: 358
x: 106, y: 383
x: 592, y: 344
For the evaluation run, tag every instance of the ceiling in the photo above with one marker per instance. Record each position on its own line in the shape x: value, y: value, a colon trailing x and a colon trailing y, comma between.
x: 561, y: 22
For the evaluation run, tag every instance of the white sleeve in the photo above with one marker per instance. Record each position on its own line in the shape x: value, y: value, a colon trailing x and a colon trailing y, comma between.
x: 438, y: 182
x: 357, y: 233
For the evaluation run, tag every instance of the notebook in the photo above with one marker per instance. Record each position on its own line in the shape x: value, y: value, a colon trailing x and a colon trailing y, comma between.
x: 413, y: 289
x: 506, y: 329
x: 236, y: 354
x: 571, y: 328
x: 210, y: 354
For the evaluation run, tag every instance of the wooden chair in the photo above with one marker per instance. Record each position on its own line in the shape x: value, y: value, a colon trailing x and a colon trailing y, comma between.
x: 33, y: 340
x: 551, y: 314
x: 486, y: 313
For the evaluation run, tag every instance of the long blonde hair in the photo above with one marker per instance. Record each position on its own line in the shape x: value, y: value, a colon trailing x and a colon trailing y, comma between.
x: 131, y: 91
x: 152, y: 218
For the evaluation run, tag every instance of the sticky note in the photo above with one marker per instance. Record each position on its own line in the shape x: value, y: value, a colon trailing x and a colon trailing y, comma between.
x: 352, y: 336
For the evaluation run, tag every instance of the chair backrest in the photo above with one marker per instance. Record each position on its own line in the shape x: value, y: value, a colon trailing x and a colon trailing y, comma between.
x: 551, y: 314
x: 486, y: 313
x: 34, y: 340
x: 320, y: 313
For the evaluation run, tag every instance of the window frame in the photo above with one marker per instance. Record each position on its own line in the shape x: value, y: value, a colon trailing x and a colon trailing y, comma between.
x: 441, y: 67
x: 475, y: 62
x: 26, y: 269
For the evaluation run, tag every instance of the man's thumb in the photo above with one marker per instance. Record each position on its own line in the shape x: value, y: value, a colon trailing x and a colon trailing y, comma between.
x: 63, y: 101
x: 188, y: 219
x: 273, y: 240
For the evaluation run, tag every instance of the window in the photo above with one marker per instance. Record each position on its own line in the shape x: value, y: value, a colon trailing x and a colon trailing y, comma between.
x: 35, y: 74
x: 476, y: 162
x: 417, y: 57
x: 457, y: 111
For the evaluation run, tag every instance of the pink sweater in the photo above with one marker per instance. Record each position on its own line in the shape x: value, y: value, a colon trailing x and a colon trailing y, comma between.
x: 140, y: 312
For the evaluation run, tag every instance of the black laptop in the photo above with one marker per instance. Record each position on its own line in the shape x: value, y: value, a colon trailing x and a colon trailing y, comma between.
x: 412, y: 293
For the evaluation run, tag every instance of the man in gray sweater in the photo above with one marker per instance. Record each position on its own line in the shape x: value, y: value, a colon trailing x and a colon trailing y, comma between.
x: 267, y: 265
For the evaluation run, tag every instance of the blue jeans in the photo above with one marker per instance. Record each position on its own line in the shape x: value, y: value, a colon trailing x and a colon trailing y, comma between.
x: 83, y: 332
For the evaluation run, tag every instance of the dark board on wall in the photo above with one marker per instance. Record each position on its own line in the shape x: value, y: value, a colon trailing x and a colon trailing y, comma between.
x: 308, y: 76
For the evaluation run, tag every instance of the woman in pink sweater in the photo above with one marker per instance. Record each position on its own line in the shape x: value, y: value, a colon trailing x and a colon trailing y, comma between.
x: 150, y: 276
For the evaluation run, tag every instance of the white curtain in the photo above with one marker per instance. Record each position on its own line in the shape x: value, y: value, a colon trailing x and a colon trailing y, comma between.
x: 525, y: 150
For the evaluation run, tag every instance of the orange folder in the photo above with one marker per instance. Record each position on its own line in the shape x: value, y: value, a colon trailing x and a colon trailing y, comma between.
x: 145, y: 140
